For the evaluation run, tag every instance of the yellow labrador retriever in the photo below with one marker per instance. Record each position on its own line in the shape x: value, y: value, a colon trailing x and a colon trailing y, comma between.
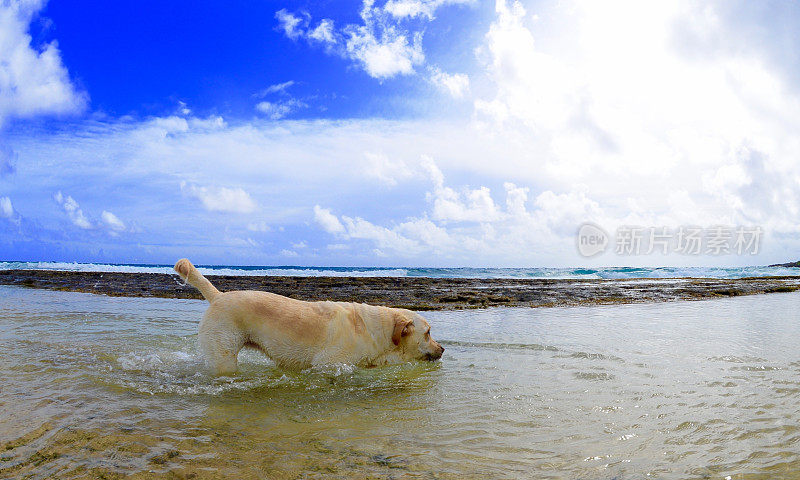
x: 301, y: 334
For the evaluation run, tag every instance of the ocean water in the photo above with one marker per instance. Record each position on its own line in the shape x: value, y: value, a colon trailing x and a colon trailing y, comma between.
x: 112, y: 387
x: 465, y: 272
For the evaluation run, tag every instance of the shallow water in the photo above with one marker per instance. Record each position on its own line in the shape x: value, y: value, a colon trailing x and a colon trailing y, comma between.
x: 94, y: 386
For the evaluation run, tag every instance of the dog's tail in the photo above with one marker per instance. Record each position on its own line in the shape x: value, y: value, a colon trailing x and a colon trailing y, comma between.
x: 189, y: 273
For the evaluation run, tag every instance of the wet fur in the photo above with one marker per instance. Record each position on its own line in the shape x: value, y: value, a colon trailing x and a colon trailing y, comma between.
x: 300, y: 334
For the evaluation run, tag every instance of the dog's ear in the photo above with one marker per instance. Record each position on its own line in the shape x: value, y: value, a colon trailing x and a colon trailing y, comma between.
x: 402, y: 327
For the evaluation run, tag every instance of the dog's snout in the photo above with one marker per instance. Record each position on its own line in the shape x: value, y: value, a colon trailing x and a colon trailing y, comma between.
x: 436, y: 354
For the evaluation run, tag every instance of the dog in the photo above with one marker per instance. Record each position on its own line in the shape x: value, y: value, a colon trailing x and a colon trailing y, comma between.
x: 300, y: 334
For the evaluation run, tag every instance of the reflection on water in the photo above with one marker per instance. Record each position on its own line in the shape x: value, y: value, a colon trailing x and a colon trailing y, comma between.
x: 111, y: 387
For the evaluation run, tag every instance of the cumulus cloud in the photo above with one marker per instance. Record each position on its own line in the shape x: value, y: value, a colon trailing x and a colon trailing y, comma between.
x: 761, y: 191
x: 32, y: 81
x: 383, y: 237
x: 108, y: 221
x: 591, y: 92
x: 383, y: 49
x: 220, y: 199
x: 469, y: 221
x: 619, y: 113
x: 289, y: 23
x: 381, y: 44
x: 505, y: 191
x: 418, y: 8
x: 324, y: 32
x: 385, y: 169
x: 456, y: 84
x: 73, y: 210
x: 647, y: 101
x: 327, y: 220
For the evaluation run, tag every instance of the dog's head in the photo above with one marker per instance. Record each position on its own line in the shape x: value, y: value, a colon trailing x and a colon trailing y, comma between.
x: 412, y: 336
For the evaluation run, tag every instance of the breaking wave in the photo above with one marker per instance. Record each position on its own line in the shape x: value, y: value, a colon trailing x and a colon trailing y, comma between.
x: 605, y: 273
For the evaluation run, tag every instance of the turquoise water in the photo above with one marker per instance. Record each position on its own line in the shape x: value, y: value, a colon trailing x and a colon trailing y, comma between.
x: 111, y: 387
x: 585, y: 273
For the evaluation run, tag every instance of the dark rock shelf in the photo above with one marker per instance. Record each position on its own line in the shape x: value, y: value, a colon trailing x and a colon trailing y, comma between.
x: 413, y: 292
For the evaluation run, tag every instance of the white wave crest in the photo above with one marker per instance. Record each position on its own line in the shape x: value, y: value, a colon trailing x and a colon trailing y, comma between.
x: 234, y: 271
x: 461, y: 272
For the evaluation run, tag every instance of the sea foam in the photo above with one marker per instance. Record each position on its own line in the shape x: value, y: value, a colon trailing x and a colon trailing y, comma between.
x: 602, y: 273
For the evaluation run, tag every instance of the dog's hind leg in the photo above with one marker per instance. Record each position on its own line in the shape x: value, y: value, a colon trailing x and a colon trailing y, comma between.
x: 220, y: 343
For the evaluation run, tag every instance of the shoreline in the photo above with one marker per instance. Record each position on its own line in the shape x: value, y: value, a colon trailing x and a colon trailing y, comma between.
x: 415, y: 293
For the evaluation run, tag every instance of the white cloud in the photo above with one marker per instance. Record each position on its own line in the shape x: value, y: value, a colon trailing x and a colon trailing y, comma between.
x: 6, y: 209
x: 381, y: 44
x: 289, y: 253
x: 324, y: 32
x: 221, y: 199
x: 427, y: 234
x: 516, y: 198
x: 385, y: 169
x: 258, y: 227
x: 456, y: 84
x: 619, y: 112
x: 279, y: 109
x: 246, y: 244
x: 73, y: 210
x: 327, y: 220
x: 112, y: 221
x: 31, y: 82
x: 473, y: 205
x: 383, y: 49
x: 429, y: 167
x: 183, y: 108
x: 467, y: 223
x: 518, y: 182
x: 386, y: 238
x: 289, y: 23
x: 284, y: 106
x: 562, y: 213
x: 277, y: 88
x: 449, y: 205
x: 418, y: 8
x: 209, y: 123
x: 622, y: 97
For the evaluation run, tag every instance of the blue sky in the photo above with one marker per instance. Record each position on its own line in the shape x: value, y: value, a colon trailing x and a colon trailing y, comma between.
x: 407, y: 132
x: 142, y: 58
